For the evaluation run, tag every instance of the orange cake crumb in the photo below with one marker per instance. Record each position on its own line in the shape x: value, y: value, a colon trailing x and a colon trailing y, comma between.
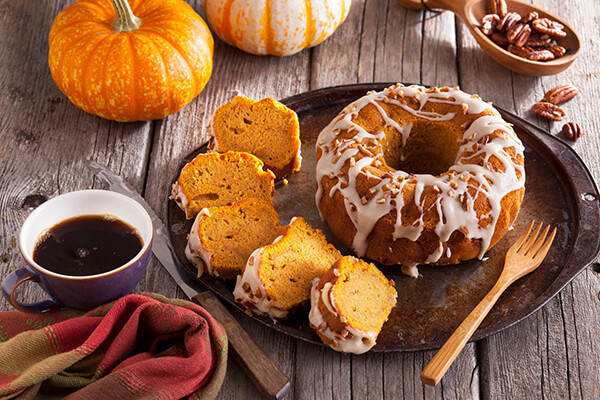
x: 213, y: 180
x: 350, y: 304
x: 222, y: 238
x: 277, y: 277
x: 265, y: 128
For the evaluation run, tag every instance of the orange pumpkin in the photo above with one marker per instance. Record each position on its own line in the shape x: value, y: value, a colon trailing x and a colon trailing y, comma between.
x: 133, y: 61
x: 276, y: 27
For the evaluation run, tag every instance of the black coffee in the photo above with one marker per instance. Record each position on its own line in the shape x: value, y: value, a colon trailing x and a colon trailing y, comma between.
x: 87, y: 245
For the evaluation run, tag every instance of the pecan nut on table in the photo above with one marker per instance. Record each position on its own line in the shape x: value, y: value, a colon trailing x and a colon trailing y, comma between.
x: 561, y: 93
x: 572, y: 131
x: 548, y: 110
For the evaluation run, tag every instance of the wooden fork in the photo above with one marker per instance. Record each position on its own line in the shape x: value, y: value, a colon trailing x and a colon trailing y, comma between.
x: 523, y: 257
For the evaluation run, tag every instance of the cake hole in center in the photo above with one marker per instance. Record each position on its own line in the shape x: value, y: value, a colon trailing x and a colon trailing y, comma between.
x: 431, y: 148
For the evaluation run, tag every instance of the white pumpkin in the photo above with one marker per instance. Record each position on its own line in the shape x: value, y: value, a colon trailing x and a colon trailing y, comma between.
x: 275, y: 27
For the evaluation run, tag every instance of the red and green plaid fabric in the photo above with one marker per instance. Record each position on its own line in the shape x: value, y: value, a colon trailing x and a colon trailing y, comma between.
x: 139, y: 347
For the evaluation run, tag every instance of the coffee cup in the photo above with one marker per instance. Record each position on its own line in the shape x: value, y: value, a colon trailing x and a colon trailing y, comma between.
x: 82, y: 291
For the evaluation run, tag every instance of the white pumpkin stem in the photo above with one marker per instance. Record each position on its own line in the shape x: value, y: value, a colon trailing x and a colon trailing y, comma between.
x: 125, y: 21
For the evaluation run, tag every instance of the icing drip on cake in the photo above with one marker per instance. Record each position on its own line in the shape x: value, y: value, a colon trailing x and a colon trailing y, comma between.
x: 195, y: 252
x: 355, y: 341
x: 179, y: 197
x: 250, y: 291
x: 457, y: 189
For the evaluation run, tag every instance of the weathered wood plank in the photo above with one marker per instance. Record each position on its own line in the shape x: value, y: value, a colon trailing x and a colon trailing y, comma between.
x: 44, y: 137
x: 392, y: 48
x: 552, y: 354
x: 176, y: 136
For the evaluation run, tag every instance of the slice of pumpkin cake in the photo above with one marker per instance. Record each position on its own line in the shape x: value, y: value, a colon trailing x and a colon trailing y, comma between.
x: 265, y: 128
x: 222, y: 238
x: 350, y: 304
x: 277, y: 277
x: 213, y: 180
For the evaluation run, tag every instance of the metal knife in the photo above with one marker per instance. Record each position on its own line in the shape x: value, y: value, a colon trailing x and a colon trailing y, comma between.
x: 266, y: 376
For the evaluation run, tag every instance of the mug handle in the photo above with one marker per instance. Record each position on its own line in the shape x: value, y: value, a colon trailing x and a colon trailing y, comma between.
x: 9, y: 290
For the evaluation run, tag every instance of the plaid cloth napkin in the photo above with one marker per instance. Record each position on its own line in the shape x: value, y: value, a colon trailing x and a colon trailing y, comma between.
x: 139, y: 347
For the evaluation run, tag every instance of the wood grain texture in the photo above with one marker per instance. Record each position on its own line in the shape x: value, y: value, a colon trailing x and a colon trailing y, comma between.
x: 179, y: 134
x: 266, y: 376
x: 553, y: 354
x: 44, y: 137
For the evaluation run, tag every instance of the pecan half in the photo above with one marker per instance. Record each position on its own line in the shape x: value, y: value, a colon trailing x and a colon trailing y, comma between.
x: 532, y: 16
x: 498, y: 7
x: 550, y: 27
x: 500, y: 38
x: 537, y: 39
x: 561, y: 94
x: 523, y: 52
x: 572, y: 131
x: 489, y: 23
x: 558, y: 51
x: 541, y: 55
x: 548, y: 111
x: 508, y: 21
x: 518, y: 34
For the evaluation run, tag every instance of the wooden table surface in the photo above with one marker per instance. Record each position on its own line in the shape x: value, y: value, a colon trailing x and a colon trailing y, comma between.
x: 553, y: 354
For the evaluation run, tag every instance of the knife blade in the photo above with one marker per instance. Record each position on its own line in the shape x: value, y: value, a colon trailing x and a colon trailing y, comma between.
x: 266, y: 376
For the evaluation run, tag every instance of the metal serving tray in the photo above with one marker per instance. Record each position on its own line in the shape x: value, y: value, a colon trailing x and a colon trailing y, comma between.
x: 559, y: 191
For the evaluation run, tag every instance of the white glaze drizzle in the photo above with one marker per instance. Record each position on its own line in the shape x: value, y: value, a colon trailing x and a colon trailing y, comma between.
x: 357, y: 341
x: 410, y: 270
x: 179, y: 197
x: 453, y: 216
x: 195, y: 251
x: 327, y: 299
x: 255, y: 297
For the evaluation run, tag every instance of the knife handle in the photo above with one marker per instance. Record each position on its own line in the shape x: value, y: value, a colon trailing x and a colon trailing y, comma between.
x: 271, y: 382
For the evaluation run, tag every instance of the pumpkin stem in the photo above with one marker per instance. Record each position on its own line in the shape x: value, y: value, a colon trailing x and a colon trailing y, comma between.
x: 125, y: 21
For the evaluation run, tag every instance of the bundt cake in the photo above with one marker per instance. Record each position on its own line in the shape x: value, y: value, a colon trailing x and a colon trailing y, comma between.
x: 350, y: 304
x: 222, y: 238
x: 265, y: 128
x: 413, y: 175
x: 213, y: 180
x: 277, y: 278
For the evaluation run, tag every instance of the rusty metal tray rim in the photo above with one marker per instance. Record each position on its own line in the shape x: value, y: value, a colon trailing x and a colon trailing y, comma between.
x: 580, y: 183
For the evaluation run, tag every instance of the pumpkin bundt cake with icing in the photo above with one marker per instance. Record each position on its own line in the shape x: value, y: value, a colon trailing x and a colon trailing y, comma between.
x: 413, y: 175
x: 277, y: 278
x: 265, y: 128
x: 222, y: 238
x: 213, y: 180
x: 350, y: 304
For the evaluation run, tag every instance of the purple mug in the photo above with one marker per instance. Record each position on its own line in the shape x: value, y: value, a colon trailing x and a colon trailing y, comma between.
x: 81, y: 292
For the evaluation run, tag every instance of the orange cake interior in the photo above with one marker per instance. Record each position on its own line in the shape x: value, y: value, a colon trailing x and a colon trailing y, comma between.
x: 279, y: 275
x: 363, y: 294
x: 224, y: 237
x: 265, y: 128
x: 213, y: 180
x: 350, y: 304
